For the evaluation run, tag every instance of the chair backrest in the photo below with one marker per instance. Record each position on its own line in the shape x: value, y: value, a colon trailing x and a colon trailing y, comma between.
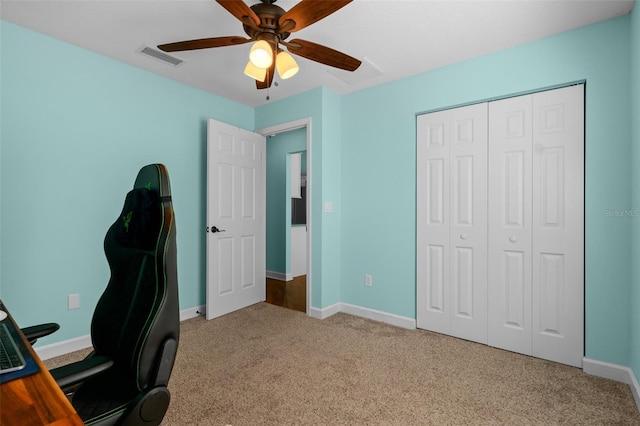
x: 139, y: 311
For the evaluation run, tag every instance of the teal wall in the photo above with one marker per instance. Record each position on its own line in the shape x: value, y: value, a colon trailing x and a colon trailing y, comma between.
x: 323, y: 108
x: 635, y: 159
x: 76, y: 128
x: 279, y: 148
x: 331, y: 236
x: 378, y: 174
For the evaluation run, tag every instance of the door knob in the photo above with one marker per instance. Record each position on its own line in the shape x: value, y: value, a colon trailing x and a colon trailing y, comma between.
x: 214, y: 229
x: 513, y: 239
x: 463, y: 236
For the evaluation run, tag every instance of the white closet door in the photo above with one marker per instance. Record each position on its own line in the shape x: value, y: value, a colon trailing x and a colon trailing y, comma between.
x: 433, y: 221
x: 469, y: 223
x: 510, y: 237
x: 558, y: 225
x: 500, y: 236
x: 452, y: 222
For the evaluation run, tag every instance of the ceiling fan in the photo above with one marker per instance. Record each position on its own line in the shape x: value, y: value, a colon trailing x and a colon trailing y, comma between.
x: 269, y: 26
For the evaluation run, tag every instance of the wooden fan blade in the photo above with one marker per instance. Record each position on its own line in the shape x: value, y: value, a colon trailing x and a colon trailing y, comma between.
x: 203, y: 43
x: 267, y: 81
x: 324, y: 55
x: 239, y: 9
x: 307, y: 12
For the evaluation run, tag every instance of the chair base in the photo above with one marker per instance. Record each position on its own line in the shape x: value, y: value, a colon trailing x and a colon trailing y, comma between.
x: 150, y: 408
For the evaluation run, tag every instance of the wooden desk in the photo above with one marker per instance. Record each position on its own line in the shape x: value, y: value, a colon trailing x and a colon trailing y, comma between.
x: 36, y: 399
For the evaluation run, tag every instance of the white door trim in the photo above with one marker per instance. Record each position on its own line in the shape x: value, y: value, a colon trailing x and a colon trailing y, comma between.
x: 286, y: 127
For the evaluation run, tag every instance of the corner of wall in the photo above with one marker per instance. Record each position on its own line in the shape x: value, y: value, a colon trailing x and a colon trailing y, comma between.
x: 634, y: 346
x: 331, y: 197
x: 613, y: 372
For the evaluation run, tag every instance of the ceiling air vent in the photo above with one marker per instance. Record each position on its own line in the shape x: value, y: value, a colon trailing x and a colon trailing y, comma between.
x: 161, y: 56
x: 366, y: 71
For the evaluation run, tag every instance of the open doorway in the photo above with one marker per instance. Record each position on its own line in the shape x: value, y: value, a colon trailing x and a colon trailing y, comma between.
x: 288, y: 215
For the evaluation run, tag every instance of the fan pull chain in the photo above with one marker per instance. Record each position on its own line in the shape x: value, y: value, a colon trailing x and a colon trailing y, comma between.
x: 275, y: 83
x: 268, y: 87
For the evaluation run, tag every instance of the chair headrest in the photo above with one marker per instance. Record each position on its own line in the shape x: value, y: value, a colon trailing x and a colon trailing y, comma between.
x: 156, y: 178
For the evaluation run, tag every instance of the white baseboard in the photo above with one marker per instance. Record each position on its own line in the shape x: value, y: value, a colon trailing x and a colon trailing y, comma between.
x: 615, y: 372
x: 189, y: 313
x: 324, y: 312
x: 280, y: 276
x: 372, y: 314
x: 83, y: 342
x: 64, y: 347
x: 635, y: 390
x: 359, y: 311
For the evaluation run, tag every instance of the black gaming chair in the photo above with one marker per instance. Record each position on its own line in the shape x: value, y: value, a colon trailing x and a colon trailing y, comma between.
x: 136, y: 323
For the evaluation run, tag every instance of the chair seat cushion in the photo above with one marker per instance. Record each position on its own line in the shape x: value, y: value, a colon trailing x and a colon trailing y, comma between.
x: 104, y: 397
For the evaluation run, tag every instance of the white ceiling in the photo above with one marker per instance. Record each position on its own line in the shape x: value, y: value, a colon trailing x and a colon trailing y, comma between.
x: 394, y: 39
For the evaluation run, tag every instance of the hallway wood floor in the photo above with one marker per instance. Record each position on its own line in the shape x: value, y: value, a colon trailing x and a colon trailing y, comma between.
x: 288, y: 294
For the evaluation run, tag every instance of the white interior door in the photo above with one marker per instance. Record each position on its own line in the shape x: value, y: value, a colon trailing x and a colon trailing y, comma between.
x: 510, y: 236
x: 452, y: 222
x: 235, y: 219
x: 558, y: 225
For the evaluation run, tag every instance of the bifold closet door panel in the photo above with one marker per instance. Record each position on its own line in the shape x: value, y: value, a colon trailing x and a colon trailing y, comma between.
x: 452, y: 222
x: 558, y: 225
x: 433, y: 221
x: 510, y: 224
x: 468, y: 289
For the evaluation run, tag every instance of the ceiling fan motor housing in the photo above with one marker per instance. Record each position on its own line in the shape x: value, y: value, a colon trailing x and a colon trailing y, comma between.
x: 269, y: 15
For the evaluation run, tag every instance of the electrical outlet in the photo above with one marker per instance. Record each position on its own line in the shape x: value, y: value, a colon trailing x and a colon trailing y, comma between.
x: 368, y: 280
x: 73, y: 301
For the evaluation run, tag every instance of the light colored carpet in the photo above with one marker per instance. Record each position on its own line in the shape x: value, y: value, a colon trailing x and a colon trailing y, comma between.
x: 266, y: 365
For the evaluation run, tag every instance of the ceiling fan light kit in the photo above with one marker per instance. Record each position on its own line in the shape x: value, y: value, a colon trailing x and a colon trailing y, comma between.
x: 269, y: 26
x: 286, y: 65
x: 251, y: 70
x: 261, y: 54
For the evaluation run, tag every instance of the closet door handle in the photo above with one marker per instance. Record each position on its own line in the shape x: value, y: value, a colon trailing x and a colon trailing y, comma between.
x: 513, y: 239
x: 463, y: 236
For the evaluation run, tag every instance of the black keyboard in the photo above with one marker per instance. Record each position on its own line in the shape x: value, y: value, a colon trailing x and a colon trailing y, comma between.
x: 11, y: 358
